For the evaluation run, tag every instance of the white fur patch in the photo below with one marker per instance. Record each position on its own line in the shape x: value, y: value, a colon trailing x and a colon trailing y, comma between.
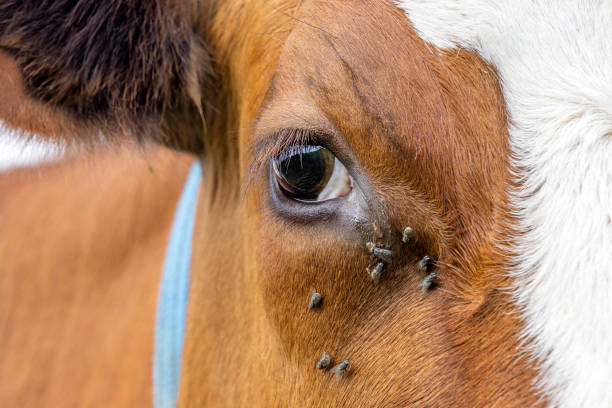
x: 17, y: 151
x: 554, y: 59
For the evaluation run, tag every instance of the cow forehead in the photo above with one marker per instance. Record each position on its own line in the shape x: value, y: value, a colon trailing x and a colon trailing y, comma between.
x: 431, y: 121
x: 553, y: 60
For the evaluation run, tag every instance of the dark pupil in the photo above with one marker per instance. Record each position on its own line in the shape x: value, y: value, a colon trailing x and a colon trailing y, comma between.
x: 306, y: 170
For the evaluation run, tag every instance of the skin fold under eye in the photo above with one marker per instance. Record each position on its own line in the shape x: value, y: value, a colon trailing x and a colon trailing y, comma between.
x: 311, y: 173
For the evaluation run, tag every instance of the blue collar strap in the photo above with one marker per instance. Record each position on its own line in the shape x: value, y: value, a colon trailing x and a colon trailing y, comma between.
x: 173, y: 292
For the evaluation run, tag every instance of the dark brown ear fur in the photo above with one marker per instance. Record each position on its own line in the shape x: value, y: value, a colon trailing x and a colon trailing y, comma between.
x: 120, y: 66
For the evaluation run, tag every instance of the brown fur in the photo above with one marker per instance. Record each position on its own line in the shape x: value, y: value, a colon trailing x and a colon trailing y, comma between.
x: 425, y: 136
x: 113, y: 65
x: 429, y: 134
x: 81, y: 266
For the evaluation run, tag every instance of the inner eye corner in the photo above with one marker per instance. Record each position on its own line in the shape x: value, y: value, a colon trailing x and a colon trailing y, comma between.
x: 310, y: 173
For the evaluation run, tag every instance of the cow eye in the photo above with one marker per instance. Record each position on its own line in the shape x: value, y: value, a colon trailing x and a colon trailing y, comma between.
x: 311, y: 173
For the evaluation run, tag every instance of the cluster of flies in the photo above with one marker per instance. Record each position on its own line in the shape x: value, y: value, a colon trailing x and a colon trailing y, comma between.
x: 384, y: 256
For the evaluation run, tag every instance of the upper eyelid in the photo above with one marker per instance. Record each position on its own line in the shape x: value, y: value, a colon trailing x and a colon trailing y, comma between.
x: 266, y: 149
x: 294, y: 150
x: 280, y: 140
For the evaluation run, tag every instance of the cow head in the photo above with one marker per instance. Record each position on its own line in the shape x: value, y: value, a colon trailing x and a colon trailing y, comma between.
x: 345, y: 153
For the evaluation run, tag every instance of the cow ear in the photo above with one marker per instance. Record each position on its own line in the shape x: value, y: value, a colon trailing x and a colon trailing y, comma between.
x: 89, y: 69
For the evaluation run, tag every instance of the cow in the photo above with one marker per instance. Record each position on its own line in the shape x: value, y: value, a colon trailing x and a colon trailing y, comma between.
x: 402, y: 203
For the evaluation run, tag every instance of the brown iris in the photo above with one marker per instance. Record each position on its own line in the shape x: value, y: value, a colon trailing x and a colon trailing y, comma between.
x: 302, y: 172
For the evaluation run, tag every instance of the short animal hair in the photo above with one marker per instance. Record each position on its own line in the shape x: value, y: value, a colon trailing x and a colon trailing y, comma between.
x: 110, y: 64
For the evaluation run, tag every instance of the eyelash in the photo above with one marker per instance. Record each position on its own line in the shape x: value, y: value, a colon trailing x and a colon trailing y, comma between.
x: 293, y: 139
